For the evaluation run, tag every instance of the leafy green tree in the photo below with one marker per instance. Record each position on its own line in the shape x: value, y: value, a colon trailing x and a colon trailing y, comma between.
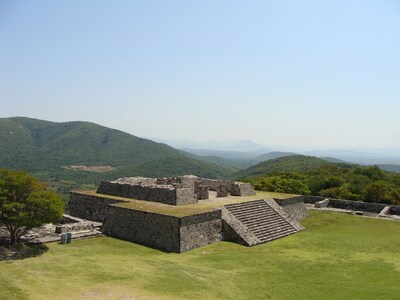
x: 339, y: 193
x: 378, y: 192
x: 25, y: 203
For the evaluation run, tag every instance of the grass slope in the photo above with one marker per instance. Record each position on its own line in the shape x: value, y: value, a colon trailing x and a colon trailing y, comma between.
x: 338, y: 256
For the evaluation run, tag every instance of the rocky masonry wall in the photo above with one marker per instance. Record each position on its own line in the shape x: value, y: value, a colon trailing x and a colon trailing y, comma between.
x: 235, y: 188
x: 354, y: 205
x: 89, y: 207
x: 294, y: 207
x: 163, y: 193
x: 200, y: 230
x: 155, y: 230
x: 165, y: 232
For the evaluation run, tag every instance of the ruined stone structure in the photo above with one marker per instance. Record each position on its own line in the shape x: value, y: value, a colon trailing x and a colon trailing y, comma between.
x: 384, y: 210
x: 182, y: 213
x: 174, y: 190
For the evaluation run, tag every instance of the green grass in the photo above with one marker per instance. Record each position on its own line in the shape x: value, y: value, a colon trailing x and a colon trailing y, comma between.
x: 338, y: 256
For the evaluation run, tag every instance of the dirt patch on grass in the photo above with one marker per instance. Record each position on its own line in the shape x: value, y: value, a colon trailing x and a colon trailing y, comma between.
x: 90, y: 168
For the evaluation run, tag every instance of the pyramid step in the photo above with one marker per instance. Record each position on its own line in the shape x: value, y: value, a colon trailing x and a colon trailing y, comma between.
x: 249, y: 210
x: 271, y: 230
x: 270, y: 225
x: 261, y: 216
x: 247, y: 206
x: 253, y: 226
x: 262, y: 235
x: 256, y: 216
x: 273, y: 237
x: 262, y: 220
x: 275, y: 233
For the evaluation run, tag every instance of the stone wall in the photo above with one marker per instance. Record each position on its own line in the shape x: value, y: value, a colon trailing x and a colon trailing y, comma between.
x: 354, y: 205
x: 154, y: 230
x: 172, y: 190
x: 313, y: 199
x: 294, y: 207
x: 168, y: 233
x: 394, y: 209
x: 89, y: 207
x: 200, y: 230
x: 167, y: 194
x: 234, y: 188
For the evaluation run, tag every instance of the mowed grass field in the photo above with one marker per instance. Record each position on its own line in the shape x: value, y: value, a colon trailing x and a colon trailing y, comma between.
x: 338, y: 256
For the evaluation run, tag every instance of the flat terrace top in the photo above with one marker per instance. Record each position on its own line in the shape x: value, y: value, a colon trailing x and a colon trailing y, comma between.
x: 202, y: 206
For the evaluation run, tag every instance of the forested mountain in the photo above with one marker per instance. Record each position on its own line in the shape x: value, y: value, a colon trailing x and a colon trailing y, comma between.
x: 291, y: 163
x: 313, y: 176
x: 64, y: 152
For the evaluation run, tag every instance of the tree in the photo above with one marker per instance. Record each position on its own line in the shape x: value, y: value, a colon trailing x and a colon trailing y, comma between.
x: 25, y: 203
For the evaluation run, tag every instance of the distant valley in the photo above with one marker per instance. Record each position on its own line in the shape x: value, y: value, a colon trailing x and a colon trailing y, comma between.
x: 75, y: 155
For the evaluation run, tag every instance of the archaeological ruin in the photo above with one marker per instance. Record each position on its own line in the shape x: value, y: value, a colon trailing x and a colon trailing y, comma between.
x: 182, y: 213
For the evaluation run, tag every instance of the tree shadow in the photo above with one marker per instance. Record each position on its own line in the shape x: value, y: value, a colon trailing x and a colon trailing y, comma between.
x: 21, y: 251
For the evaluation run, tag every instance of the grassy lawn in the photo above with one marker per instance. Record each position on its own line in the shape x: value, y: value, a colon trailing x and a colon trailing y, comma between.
x: 338, y: 256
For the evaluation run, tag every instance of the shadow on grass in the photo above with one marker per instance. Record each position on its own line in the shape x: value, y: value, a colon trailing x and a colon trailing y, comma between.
x: 21, y: 251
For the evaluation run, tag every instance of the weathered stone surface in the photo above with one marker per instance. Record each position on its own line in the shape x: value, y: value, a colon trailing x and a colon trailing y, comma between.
x: 294, y: 207
x: 165, y: 232
x: 185, y: 196
x: 257, y: 221
x: 201, y: 191
x: 172, y: 190
x: 155, y: 230
x: 313, y: 199
x: 242, y: 189
x: 385, y: 212
x: 200, y: 230
x: 89, y: 207
x: 157, y: 193
x: 322, y: 203
x: 242, y: 233
x: 222, y: 191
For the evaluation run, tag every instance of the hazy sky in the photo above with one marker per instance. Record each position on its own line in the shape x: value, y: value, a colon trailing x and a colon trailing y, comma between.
x: 295, y: 73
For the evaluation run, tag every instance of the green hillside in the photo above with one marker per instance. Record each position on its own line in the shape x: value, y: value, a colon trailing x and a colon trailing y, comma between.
x: 291, y: 163
x: 313, y: 176
x: 49, y: 150
x: 273, y: 155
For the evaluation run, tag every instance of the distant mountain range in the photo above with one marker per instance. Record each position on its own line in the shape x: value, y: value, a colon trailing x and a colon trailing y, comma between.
x: 386, y: 159
x: 367, y: 157
x: 60, y: 151
x: 81, y: 154
x: 290, y: 163
x: 236, y: 146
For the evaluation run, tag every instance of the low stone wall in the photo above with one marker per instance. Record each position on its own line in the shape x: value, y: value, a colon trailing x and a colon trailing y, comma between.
x: 242, y: 189
x: 164, y: 232
x: 154, y: 230
x: 294, y: 207
x: 185, y: 196
x: 313, y: 199
x: 354, y: 205
x: 200, y: 230
x: 89, y: 207
x: 394, y: 210
x: 235, y: 188
x: 167, y: 194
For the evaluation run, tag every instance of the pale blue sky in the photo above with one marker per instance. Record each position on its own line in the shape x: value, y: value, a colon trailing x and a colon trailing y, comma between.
x: 295, y: 73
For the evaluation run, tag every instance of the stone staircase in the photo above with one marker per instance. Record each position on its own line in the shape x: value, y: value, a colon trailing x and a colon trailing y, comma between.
x: 257, y: 222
